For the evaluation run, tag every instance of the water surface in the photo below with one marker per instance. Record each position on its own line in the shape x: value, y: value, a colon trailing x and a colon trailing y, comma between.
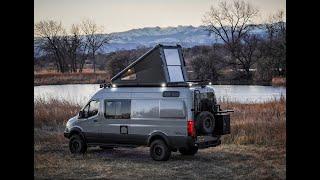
x: 81, y: 93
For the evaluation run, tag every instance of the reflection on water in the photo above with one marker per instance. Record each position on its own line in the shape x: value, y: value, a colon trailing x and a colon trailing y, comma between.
x: 81, y: 93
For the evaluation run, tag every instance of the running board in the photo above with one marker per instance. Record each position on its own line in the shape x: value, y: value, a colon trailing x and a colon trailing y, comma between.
x: 112, y: 145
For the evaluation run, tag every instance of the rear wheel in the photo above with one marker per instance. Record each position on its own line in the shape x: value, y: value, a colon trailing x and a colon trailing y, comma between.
x: 77, y: 145
x: 189, y: 151
x: 159, y: 151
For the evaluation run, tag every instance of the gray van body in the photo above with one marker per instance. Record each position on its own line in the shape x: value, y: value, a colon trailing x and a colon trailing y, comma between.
x: 151, y: 116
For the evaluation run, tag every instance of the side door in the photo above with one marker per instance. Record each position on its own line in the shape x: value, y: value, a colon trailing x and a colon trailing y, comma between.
x: 115, y: 126
x: 89, y: 121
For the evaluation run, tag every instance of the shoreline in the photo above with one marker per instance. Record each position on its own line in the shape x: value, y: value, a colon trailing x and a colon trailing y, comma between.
x: 102, y: 77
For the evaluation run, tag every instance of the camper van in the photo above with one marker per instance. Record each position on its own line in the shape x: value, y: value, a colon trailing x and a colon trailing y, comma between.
x: 151, y: 104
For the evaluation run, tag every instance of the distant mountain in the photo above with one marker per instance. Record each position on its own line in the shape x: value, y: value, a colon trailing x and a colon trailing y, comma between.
x: 186, y: 36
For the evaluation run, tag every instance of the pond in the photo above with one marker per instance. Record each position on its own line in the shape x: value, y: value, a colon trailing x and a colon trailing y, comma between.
x: 81, y: 93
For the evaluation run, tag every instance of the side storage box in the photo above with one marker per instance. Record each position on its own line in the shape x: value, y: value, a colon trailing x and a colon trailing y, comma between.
x: 222, y: 124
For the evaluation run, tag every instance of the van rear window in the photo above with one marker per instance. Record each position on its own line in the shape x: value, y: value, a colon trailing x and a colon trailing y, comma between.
x: 117, y: 109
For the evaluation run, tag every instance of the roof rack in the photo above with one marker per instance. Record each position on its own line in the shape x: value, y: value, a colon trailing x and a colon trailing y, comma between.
x: 169, y: 84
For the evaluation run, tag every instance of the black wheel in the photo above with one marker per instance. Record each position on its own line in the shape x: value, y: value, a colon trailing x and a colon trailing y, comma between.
x: 77, y: 145
x: 106, y: 147
x: 205, y: 122
x: 159, y: 151
x: 189, y: 151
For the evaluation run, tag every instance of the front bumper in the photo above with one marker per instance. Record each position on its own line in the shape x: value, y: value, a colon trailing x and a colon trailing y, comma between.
x: 66, y: 134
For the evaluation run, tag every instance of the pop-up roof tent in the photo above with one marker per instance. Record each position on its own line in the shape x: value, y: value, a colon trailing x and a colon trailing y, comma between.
x: 160, y: 65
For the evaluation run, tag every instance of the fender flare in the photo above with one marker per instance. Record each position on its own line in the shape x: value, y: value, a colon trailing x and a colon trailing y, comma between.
x: 77, y: 130
x: 158, y: 135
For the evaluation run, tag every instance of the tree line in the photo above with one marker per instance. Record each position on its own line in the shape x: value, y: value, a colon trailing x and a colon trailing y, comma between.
x: 242, y: 55
x: 232, y: 22
x: 70, y: 49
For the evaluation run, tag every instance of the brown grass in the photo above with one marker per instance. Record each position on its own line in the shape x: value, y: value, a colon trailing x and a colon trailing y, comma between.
x: 53, y: 112
x: 254, y: 150
x: 50, y: 78
x: 279, y: 81
x: 261, y: 124
x: 222, y: 162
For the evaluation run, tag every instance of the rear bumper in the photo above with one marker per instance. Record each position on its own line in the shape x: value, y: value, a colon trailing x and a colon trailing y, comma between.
x: 206, y: 144
x: 207, y: 141
x: 180, y: 141
x: 186, y: 141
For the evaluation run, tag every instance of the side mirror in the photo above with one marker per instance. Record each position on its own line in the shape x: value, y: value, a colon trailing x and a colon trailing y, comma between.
x: 81, y: 114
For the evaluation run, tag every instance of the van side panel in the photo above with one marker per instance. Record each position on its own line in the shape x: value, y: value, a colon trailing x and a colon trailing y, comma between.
x: 151, y: 113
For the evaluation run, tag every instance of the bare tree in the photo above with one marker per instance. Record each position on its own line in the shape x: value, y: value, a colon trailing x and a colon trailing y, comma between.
x: 94, y: 38
x: 75, y: 48
x: 206, y: 65
x: 276, y: 42
x: 248, y: 52
x: 231, y: 22
x: 52, y: 34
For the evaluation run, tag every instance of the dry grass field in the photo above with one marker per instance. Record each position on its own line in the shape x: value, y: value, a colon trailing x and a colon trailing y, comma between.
x: 54, y: 78
x: 45, y: 77
x: 278, y: 81
x: 254, y: 150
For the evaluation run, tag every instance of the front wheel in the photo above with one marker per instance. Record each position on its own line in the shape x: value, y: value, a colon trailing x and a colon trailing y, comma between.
x: 77, y: 145
x: 189, y: 151
x: 159, y: 151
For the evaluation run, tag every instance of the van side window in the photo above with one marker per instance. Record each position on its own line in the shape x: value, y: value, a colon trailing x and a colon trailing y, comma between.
x: 117, y: 109
x: 172, y: 109
x: 145, y: 108
x: 90, y: 109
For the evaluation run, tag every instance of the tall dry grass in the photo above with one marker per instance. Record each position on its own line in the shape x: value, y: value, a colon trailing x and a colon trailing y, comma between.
x: 259, y: 124
x: 53, y: 112
x: 50, y: 78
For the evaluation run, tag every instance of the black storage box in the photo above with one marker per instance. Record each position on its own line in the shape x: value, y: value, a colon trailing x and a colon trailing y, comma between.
x: 222, y: 124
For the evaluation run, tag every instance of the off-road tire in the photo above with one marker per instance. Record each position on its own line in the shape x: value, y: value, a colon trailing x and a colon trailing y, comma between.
x: 159, y: 151
x: 189, y: 151
x: 205, y: 123
x: 77, y: 145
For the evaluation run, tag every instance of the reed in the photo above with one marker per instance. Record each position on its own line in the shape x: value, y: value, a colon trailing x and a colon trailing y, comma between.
x: 260, y: 124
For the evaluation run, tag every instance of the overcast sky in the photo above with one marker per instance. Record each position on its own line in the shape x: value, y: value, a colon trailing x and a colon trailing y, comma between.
x: 122, y: 15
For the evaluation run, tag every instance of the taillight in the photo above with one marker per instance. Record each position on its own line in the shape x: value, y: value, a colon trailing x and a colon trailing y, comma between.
x: 191, y: 129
